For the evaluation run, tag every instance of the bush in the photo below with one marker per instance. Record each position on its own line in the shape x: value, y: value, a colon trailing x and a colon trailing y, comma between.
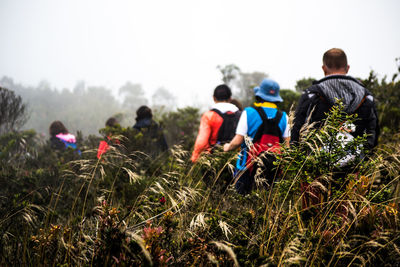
x: 129, y: 209
x: 12, y: 111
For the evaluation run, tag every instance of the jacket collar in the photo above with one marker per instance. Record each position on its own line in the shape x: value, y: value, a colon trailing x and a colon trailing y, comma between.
x: 265, y: 104
x: 338, y: 76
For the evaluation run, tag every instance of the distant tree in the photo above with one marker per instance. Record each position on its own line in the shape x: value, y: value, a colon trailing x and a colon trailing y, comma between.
x: 44, y: 85
x: 83, y: 109
x: 242, y: 83
x: 79, y: 88
x: 387, y: 95
x: 181, y: 126
x: 164, y: 100
x: 229, y: 73
x: 290, y: 98
x: 247, y: 82
x: 88, y: 112
x: 12, y: 111
x: 303, y: 84
x: 133, y: 96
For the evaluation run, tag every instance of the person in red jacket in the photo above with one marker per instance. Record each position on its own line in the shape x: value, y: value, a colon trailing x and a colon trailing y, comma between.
x: 211, y: 121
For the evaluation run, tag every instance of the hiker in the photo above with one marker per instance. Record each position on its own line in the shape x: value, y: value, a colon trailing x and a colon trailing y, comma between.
x: 217, y: 125
x: 104, y: 145
x: 152, y: 132
x: 318, y: 99
x: 237, y: 104
x: 267, y: 127
x: 60, y: 138
x: 316, y: 102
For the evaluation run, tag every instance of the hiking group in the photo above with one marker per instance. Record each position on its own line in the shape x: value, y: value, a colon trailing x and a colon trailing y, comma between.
x: 261, y: 129
x: 154, y: 139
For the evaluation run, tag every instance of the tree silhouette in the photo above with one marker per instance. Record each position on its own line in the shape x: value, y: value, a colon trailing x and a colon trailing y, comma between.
x: 12, y: 111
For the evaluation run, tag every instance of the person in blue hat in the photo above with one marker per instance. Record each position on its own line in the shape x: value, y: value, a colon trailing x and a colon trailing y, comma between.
x: 267, y: 128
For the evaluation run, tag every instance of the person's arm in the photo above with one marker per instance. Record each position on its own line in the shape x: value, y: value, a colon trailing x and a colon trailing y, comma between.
x: 202, y: 139
x: 235, y: 143
x: 300, y: 117
x: 286, y: 141
x: 286, y: 132
x: 372, y: 127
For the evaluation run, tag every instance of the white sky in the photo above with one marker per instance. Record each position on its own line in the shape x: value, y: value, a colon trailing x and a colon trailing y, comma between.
x: 177, y: 44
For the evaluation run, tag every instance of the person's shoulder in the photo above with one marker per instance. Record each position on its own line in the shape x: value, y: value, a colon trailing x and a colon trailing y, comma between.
x: 250, y: 111
x: 155, y: 125
x: 314, y: 89
x: 285, y: 116
x: 210, y: 115
x: 224, y: 107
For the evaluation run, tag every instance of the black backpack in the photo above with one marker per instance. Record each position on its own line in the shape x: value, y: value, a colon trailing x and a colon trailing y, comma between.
x: 227, y: 130
x: 364, y: 108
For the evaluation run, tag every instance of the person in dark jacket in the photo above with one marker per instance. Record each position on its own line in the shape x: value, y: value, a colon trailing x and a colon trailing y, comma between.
x: 150, y: 129
x: 317, y: 100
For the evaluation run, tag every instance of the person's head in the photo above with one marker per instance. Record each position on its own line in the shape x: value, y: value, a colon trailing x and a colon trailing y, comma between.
x: 111, y: 122
x: 222, y: 93
x: 57, y: 127
x: 268, y: 91
x: 237, y: 104
x: 335, y: 62
x: 144, y: 112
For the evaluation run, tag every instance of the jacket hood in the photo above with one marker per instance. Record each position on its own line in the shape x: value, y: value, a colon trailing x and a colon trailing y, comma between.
x: 70, y: 138
x: 342, y: 87
x: 225, y: 107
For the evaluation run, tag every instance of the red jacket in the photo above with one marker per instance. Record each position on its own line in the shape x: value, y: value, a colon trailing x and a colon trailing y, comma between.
x: 208, y: 133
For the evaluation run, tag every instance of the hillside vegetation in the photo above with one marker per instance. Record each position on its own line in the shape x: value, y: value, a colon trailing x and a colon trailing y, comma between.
x: 130, y: 209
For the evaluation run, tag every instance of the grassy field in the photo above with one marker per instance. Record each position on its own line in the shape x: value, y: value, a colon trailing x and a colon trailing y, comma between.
x: 128, y: 209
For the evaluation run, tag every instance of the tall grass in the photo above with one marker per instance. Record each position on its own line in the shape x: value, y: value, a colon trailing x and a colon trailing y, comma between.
x: 128, y: 209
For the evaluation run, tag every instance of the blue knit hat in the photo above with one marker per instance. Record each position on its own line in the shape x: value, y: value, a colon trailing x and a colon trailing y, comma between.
x: 268, y: 91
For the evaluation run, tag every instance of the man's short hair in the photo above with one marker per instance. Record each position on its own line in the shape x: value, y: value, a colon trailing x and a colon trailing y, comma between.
x: 335, y: 59
x: 222, y: 92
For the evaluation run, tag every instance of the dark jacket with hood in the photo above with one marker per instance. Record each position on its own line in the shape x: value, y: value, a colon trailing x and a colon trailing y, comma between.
x: 154, y: 134
x: 318, y: 99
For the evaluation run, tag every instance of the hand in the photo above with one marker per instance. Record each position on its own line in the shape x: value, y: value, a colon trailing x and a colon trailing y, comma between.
x: 227, y: 147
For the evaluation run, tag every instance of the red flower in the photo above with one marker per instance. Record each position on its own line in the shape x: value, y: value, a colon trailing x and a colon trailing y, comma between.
x: 162, y: 200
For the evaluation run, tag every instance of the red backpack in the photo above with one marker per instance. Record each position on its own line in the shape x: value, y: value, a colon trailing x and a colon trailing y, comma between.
x: 267, y: 139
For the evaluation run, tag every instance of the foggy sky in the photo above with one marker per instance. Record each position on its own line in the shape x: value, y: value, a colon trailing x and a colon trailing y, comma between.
x: 178, y: 44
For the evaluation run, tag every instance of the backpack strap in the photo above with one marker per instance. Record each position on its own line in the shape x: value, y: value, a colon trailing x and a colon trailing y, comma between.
x: 217, y: 111
x: 264, y: 118
x: 361, y: 102
x: 314, y: 98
